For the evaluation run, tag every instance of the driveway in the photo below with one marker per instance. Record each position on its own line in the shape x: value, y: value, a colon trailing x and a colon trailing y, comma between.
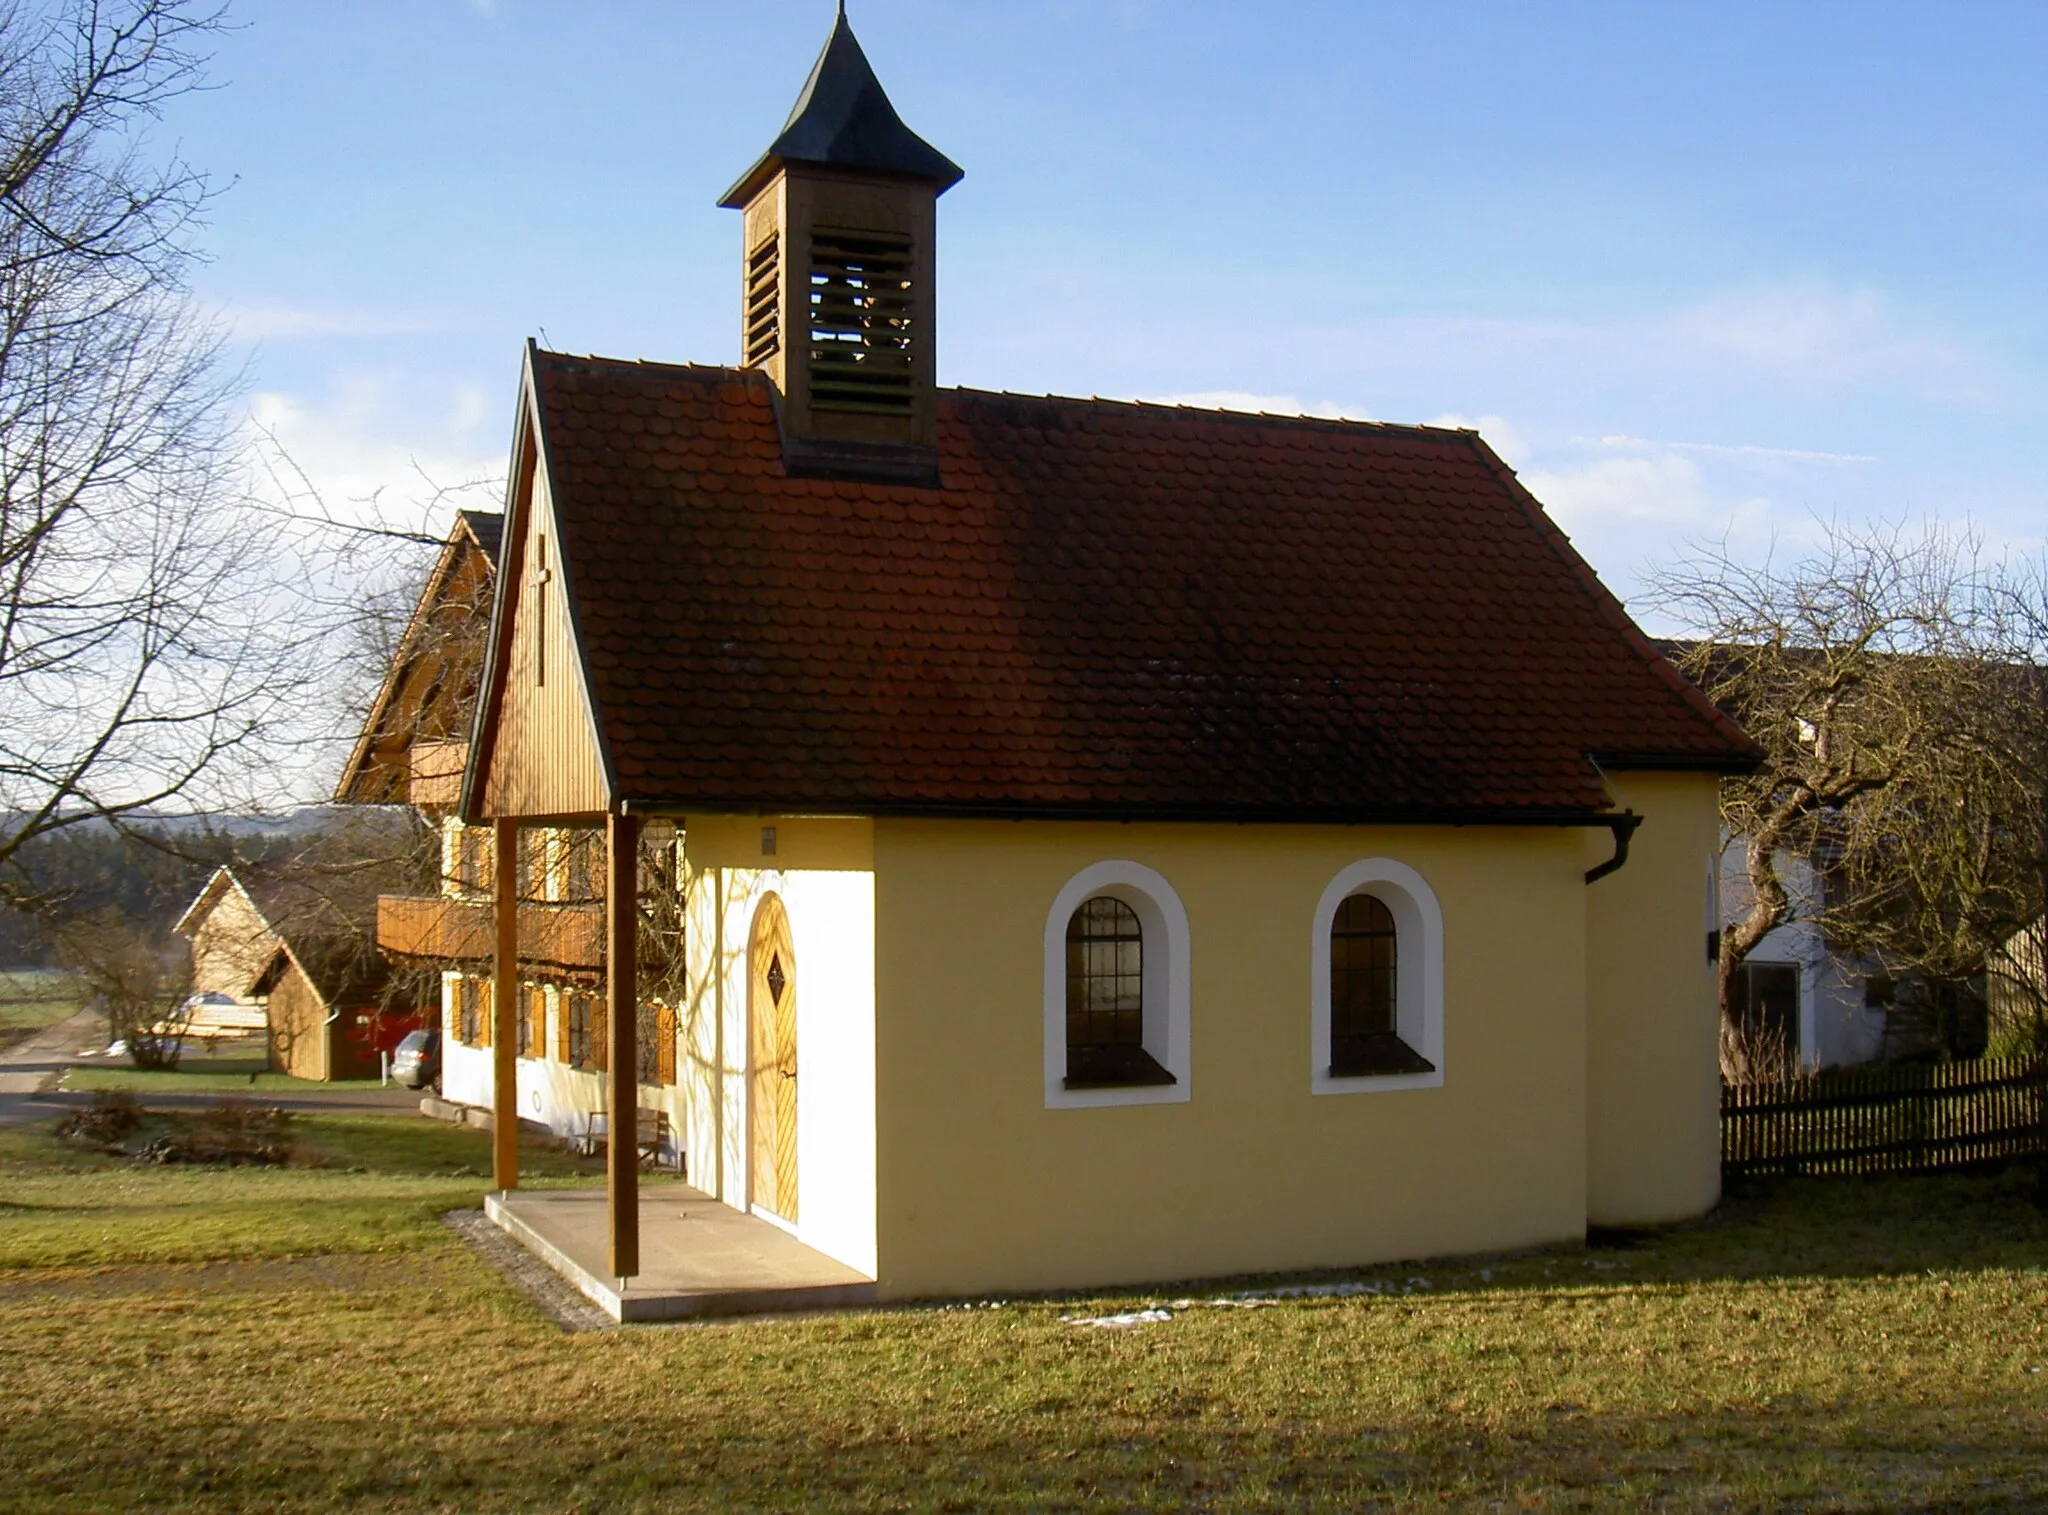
x: 31, y: 1070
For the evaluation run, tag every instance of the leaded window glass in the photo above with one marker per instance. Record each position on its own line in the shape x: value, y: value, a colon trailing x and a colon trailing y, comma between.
x: 1364, y: 983
x: 1106, y: 998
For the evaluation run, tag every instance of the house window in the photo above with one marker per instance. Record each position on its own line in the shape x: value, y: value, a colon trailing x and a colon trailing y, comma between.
x: 1376, y: 978
x: 647, y: 1043
x: 1365, y: 1036
x: 1106, y: 998
x: 585, y: 1033
x: 473, y: 1023
x: 472, y: 859
x: 581, y: 877
x: 1767, y: 1009
x: 1116, y: 990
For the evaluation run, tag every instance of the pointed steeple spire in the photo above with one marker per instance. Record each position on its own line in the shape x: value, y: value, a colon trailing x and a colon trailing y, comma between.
x: 843, y: 119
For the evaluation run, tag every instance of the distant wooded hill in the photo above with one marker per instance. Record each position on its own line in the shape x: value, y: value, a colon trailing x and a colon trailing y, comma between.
x: 151, y: 871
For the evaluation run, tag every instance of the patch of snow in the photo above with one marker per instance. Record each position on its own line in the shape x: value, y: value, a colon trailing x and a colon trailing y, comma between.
x: 1119, y: 1322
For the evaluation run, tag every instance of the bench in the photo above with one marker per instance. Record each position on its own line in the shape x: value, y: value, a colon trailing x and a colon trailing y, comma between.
x: 653, y: 1135
x: 650, y: 1136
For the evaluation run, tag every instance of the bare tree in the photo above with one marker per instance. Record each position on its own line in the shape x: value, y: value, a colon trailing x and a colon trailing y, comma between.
x: 141, y: 983
x: 1878, y: 674
x: 146, y: 639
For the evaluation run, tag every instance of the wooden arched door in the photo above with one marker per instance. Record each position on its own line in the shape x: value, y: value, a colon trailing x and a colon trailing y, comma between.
x: 771, y: 1036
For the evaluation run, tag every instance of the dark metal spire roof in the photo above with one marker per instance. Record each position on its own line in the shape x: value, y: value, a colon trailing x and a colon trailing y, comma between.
x: 844, y: 120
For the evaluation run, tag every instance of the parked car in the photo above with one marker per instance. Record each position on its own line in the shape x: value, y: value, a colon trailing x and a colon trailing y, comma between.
x: 417, y: 1062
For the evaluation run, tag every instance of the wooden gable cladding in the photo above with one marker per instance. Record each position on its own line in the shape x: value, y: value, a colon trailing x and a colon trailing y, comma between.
x: 429, y: 693
x: 537, y: 752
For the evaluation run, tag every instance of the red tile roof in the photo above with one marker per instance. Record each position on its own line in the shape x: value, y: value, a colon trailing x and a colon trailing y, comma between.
x: 1107, y: 608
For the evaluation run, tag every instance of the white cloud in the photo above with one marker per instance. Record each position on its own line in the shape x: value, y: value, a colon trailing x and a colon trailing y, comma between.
x: 369, y: 449
x: 1743, y: 450
x: 1821, y: 335
x: 1665, y: 487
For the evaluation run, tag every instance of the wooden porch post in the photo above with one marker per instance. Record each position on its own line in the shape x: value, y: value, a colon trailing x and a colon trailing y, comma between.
x: 621, y: 951
x: 505, y: 1006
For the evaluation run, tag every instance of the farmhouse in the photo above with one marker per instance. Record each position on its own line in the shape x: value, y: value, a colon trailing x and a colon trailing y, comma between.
x: 296, y: 962
x: 1047, y: 842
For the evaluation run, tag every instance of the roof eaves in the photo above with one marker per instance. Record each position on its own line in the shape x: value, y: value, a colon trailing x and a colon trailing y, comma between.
x: 1353, y: 815
x: 208, y: 896
x: 1745, y: 750
x: 490, y: 686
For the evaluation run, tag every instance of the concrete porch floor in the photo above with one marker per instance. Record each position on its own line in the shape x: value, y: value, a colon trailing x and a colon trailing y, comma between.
x: 698, y: 1257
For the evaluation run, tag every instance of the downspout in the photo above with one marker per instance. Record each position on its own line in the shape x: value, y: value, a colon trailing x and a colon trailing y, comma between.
x: 1624, y: 827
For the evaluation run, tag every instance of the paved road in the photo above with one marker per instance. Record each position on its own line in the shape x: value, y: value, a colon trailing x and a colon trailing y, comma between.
x: 31, y: 1070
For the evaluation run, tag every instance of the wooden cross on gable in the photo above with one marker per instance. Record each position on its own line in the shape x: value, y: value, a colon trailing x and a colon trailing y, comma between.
x: 541, y: 578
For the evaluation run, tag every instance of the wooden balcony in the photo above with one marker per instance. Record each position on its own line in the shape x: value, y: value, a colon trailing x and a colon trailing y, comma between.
x: 436, y: 780
x: 460, y: 930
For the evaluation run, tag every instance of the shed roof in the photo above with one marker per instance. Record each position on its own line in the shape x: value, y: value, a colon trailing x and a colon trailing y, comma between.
x: 1105, y: 609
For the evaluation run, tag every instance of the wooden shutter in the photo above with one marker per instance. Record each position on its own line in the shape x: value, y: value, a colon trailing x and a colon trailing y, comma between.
x: 665, y: 1044
x: 486, y: 1013
x: 536, y: 1021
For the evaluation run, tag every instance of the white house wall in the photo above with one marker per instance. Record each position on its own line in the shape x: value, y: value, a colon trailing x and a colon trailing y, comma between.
x: 465, y: 1070
x: 568, y: 1101
x: 1836, y: 1027
x: 832, y: 929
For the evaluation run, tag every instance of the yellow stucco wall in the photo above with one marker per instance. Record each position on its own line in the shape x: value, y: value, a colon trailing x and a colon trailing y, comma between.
x: 981, y: 1187
x: 1653, y: 1117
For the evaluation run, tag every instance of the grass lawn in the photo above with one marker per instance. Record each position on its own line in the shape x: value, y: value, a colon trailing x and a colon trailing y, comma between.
x: 314, y: 1338
x: 32, y: 998
x: 241, y: 1072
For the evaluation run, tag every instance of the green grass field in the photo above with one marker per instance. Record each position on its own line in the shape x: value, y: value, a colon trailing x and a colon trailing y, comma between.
x: 240, y: 1072
x: 32, y: 998
x: 315, y: 1338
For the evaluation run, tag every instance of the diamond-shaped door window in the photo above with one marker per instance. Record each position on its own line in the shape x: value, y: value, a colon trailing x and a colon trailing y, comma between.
x: 776, y: 979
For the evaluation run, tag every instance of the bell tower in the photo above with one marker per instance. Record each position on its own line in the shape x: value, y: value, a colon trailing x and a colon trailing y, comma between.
x: 837, y: 285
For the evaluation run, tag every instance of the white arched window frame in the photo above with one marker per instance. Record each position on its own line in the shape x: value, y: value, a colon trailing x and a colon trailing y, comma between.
x: 1418, y: 973
x: 1167, y: 956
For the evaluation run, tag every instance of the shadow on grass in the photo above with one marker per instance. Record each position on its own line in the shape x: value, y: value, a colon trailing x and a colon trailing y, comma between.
x: 1760, y: 1457
x: 1763, y: 1229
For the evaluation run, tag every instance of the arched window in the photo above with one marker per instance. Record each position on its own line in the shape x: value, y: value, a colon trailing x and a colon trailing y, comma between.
x: 1106, y: 998
x: 1376, y: 976
x: 1365, y: 1034
x: 1116, y: 990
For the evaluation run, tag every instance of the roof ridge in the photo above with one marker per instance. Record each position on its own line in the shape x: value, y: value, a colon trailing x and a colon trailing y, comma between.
x: 968, y: 391
x: 1339, y: 423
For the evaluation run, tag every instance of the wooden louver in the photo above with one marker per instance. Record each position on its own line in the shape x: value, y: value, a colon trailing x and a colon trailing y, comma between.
x: 860, y: 322
x: 764, y: 302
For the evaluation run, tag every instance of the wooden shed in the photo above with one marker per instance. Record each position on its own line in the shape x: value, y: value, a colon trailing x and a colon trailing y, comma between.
x: 327, y: 1011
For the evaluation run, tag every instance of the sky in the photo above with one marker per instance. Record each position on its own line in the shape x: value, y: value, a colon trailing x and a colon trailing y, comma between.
x: 1701, y: 272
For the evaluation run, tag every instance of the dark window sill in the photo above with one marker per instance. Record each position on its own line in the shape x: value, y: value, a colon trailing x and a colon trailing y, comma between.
x: 1377, y: 1055
x: 1114, y: 1068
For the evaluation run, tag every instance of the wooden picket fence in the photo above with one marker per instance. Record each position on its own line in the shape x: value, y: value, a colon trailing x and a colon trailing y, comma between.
x: 1899, y: 1118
